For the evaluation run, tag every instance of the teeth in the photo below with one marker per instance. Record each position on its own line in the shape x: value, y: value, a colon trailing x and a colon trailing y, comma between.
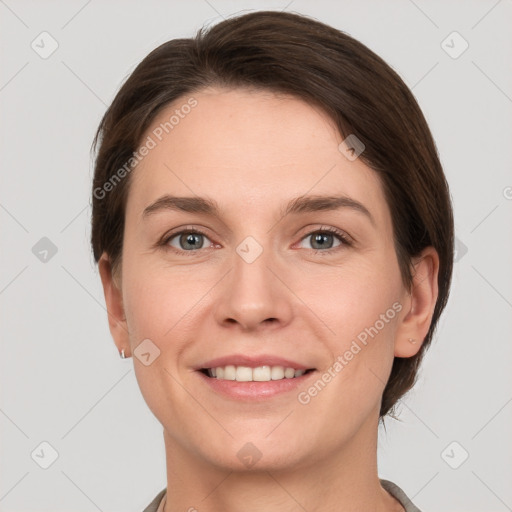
x: 258, y: 374
x: 277, y: 372
x: 243, y: 374
x: 261, y: 373
x: 229, y: 372
x: 289, y: 373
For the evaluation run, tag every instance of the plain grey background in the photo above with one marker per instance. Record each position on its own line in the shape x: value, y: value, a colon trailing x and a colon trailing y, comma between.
x: 62, y: 381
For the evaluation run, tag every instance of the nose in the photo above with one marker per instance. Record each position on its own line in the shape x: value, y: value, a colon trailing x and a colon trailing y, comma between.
x: 254, y: 295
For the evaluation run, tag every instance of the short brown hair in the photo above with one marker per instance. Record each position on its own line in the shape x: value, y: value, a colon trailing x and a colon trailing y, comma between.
x: 295, y: 55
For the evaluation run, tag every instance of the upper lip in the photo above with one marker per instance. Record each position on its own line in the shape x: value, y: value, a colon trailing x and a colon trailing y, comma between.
x: 252, y: 362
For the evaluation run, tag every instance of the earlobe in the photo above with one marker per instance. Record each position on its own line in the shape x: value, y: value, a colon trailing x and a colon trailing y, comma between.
x: 114, y: 303
x: 422, y: 297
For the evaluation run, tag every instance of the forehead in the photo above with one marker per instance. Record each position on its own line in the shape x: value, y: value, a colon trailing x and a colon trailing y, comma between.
x: 248, y: 149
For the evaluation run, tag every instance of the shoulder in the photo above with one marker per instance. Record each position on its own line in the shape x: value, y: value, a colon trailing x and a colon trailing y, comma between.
x: 391, y: 487
x: 400, y: 495
x: 155, y: 504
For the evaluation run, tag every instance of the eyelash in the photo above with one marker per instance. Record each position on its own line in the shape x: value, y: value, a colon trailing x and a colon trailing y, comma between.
x: 346, y: 242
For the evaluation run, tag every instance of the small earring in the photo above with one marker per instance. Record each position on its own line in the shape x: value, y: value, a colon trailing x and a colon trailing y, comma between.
x: 412, y: 340
x: 122, y: 354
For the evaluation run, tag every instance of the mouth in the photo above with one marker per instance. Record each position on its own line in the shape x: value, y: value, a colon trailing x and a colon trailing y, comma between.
x: 255, y: 383
x: 254, y: 377
x: 265, y: 373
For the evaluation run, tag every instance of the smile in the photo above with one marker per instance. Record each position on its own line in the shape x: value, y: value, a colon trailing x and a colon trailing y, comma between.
x: 256, y: 374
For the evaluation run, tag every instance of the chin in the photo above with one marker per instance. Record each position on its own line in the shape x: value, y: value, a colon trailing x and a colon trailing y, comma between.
x: 255, y: 453
x: 249, y: 458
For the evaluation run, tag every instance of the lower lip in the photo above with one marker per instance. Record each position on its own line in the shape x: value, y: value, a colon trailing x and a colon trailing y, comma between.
x: 254, y: 390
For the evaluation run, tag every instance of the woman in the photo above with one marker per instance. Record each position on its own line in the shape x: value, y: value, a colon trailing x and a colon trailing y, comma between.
x: 274, y: 235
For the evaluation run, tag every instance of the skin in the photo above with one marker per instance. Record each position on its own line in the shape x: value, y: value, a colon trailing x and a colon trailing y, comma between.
x: 252, y: 152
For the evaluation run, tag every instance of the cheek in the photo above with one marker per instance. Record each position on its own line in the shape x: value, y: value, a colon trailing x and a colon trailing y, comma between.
x: 352, y: 297
x: 360, y: 305
x: 144, y: 306
x: 148, y: 303
x: 161, y: 303
x: 158, y: 306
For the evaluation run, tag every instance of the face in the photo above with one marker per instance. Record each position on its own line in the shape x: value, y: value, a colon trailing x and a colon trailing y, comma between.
x: 316, y: 290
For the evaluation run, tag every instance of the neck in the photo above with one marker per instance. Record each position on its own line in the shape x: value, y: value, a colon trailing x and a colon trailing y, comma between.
x: 345, y: 480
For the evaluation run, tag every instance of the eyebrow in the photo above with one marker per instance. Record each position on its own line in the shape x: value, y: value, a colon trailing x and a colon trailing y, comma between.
x: 301, y: 204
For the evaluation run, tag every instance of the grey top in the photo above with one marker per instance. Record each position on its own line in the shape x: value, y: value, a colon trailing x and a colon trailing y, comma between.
x: 400, y: 495
x: 392, y: 488
x: 154, y: 505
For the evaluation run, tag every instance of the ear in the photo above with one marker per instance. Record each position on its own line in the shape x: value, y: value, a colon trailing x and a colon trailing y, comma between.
x: 420, y: 304
x: 114, y: 303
